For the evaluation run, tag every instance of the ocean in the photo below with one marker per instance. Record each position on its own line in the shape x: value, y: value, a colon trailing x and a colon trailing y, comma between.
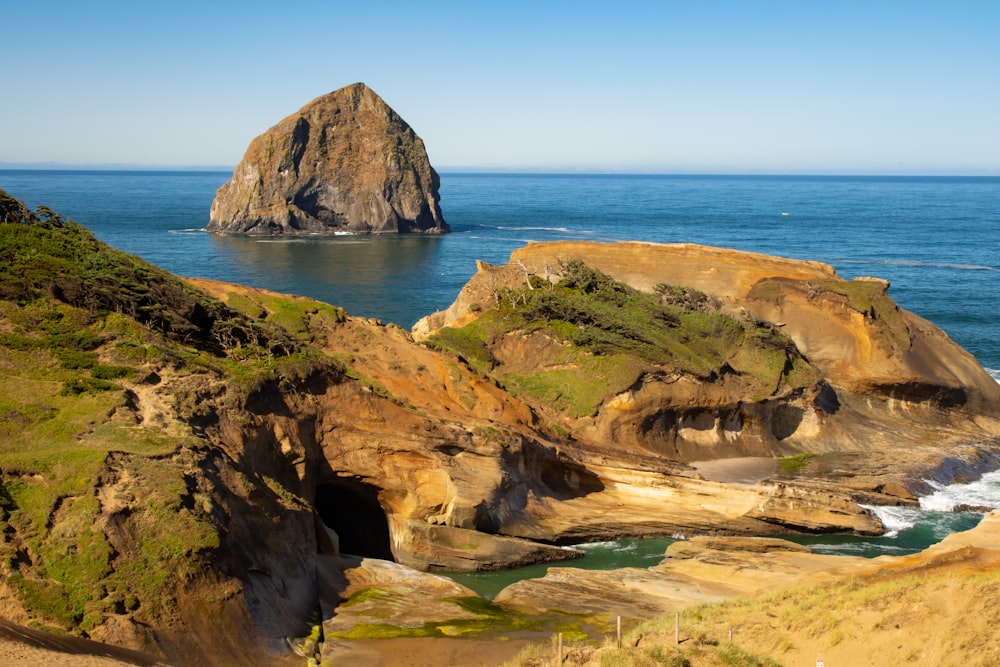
x: 936, y: 239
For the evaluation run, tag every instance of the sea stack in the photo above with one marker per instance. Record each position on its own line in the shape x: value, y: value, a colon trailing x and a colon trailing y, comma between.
x: 344, y: 163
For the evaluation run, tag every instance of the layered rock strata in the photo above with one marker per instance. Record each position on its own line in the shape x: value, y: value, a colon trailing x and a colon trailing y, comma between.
x: 228, y: 446
x: 883, y: 378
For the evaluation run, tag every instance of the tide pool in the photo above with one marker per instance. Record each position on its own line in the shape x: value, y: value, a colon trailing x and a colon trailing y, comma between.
x: 908, y: 530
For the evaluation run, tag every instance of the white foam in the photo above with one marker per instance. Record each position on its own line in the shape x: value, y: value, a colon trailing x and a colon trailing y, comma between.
x: 862, y: 548
x: 934, y: 265
x: 895, y: 519
x: 533, y: 229
x: 595, y: 545
x: 984, y: 492
x: 994, y: 373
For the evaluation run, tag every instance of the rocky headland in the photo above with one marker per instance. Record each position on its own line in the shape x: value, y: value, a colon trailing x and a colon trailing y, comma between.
x: 344, y: 163
x: 211, y: 473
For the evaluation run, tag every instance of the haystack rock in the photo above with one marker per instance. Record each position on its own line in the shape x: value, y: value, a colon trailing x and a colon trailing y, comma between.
x: 344, y: 163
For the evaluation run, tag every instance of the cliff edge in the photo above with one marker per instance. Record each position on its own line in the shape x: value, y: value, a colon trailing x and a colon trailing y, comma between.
x: 194, y: 469
x: 698, y: 353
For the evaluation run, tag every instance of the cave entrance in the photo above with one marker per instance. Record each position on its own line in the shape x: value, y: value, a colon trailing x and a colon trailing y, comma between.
x: 351, y: 509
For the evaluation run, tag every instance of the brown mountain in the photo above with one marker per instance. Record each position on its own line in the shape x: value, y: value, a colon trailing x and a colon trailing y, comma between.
x: 344, y: 163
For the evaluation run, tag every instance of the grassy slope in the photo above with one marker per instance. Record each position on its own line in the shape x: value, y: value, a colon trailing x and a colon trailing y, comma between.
x: 610, y: 334
x: 941, y: 618
x: 82, y: 328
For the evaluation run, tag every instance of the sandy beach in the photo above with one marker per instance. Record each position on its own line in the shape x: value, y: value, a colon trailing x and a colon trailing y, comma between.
x: 20, y: 645
x: 740, y: 470
x: 427, y: 652
x: 24, y: 647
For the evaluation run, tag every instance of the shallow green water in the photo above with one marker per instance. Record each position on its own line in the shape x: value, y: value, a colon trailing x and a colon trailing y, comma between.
x: 909, y: 530
x: 632, y: 552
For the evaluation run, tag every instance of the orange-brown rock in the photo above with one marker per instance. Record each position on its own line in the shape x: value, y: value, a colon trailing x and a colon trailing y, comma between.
x: 714, y: 569
x: 344, y: 163
x: 852, y: 330
x: 888, y: 380
x: 252, y: 439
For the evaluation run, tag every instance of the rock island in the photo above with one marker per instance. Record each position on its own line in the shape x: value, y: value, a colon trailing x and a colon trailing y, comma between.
x: 344, y: 163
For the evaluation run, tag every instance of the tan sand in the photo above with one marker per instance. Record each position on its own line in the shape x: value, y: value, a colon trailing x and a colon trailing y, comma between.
x: 18, y: 654
x: 20, y: 645
x: 742, y: 470
x: 426, y: 652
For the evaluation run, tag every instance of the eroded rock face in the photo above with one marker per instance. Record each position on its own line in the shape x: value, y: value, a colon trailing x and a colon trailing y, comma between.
x: 268, y: 467
x: 344, y: 163
x: 883, y: 378
x: 713, y: 569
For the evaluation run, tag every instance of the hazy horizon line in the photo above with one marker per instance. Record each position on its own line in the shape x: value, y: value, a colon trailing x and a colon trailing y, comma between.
x: 499, y: 169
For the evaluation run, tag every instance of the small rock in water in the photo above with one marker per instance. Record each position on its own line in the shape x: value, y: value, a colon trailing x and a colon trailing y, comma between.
x: 982, y: 509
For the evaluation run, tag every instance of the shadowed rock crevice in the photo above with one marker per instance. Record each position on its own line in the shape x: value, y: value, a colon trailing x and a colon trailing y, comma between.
x: 351, y: 509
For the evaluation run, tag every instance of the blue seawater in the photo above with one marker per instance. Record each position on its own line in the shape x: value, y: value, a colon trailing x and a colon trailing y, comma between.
x: 936, y: 239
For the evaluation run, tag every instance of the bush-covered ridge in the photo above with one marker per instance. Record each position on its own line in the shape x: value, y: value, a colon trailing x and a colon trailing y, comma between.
x: 43, y: 255
x: 613, y: 330
x: 110, y: 369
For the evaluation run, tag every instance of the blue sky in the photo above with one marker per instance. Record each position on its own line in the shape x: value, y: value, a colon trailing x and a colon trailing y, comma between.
x: 757, y: 86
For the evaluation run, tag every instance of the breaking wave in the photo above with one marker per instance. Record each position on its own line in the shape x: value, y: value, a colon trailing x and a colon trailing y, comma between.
x: 896, y: 519
x: 931, y: 265
x: 563, y: 230
x: 980, y: 494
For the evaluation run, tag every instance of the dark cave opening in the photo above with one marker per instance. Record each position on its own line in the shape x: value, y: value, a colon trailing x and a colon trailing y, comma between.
x: 351, y: 509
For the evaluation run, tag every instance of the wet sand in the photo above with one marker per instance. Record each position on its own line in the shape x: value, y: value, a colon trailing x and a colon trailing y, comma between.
x: 426, y: 652
x: 20, y: 645
x: 743, y: 470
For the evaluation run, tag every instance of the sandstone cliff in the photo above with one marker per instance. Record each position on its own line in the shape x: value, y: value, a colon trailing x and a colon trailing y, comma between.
x: 816, y: 365
x: 184, y: 463
x: 344, y: 163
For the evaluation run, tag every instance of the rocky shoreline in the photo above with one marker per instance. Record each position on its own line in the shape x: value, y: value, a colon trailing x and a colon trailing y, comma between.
x: 232, y: 446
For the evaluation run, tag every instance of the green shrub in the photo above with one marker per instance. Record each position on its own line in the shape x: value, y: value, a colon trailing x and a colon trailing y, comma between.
x: 75, y: 360
x: 86, y: 385
x: 599, y: 318
x: 13, y: 341
x: 110, y: 372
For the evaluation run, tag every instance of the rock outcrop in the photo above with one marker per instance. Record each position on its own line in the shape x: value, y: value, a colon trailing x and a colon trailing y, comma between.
x: 187, y: 463
x: 714, y: 569
x: 861, y: 375
x: 344, y: 163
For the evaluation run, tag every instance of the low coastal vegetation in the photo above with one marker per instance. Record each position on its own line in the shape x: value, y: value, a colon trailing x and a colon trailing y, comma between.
x: 609, y: 334
x: 885, y: 620
x: 85, y: 329
x: 794, y: 463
